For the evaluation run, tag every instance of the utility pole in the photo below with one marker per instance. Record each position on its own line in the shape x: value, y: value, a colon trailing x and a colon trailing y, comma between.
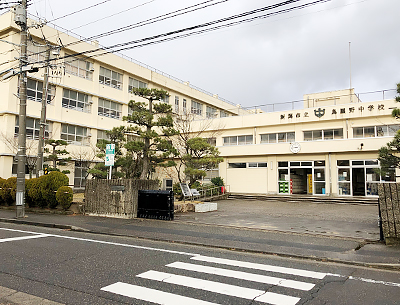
x: 21, y: 20
x: 39, y: 163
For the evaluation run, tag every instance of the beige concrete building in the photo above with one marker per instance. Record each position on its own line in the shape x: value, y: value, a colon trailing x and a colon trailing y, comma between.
x: 326, y: 147
x: 88, y: 95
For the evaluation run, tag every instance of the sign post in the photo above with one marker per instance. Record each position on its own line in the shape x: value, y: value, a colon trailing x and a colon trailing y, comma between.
x: 110, y: 154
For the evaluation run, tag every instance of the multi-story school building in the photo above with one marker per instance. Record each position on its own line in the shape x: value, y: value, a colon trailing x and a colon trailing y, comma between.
x: 328, y: 146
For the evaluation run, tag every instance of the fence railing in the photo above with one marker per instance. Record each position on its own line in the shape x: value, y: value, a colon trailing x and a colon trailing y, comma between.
x: 212, y: 192
x: 300, y: 104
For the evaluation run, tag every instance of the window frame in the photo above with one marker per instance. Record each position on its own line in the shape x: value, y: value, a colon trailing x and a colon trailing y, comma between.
x: 80, y: 67
x: 108, y: 111
x: 72, y: 138
x: 110, y: 78
x: 67, y: 102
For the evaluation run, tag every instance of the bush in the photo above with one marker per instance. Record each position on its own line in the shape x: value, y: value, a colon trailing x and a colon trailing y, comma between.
x: 64, y: 197
x: 177, y: 191
x: 8, y: 190
x: 49, y: 184
x: 217, y: 181
x: 35, y: 193
x: 2, y: 190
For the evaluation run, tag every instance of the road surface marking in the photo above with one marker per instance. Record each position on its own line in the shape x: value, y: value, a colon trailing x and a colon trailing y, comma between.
x: 284, y: 270
x: 152, y: 295
x: 244, y: 276
x: 361, y: 279
x: 22, y: 238
x: 304, y: 273
x: 221, y: 288
x: 107, y: 243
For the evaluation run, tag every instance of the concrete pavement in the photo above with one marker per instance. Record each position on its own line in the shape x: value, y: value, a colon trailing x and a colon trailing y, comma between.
x: 329, y: 232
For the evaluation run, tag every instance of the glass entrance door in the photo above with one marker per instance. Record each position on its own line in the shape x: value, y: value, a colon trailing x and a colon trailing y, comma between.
x: 301, y: 177
x: 358, y: 181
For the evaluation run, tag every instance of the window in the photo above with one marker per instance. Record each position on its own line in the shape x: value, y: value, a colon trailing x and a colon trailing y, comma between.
x: 223, y: 114
x: 197, y: 108
x: 37, y: 52
x: 248, y: 165
x: 34, y: 91
x: 74, y: 134
x: 80, y: 174
x: 79, y: 67
x: 238, y: 140
x: 375, y: 131
x: 211, y: 112
x: 177, y: 104
x: 75, y: 100
x: 237, y: 165
x: 211, y: 173
x: 165, y: 99
x: 32, y: 128
x: 212, y: 141
x: 326, y: 134
x: 110, y: 78
x: 102, y: 135
x: 109, y: 109
x: 257, y: 164
x: 184, y: 106
x: 134, y: 83
x: 14, y: 169
x: 277, y: 137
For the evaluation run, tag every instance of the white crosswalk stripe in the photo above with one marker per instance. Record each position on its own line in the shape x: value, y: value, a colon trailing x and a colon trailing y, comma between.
x: 284, y: 270
x: 226, y: 289
x: 244, y: 275
x: 189, y: 280
x: 152, y: 295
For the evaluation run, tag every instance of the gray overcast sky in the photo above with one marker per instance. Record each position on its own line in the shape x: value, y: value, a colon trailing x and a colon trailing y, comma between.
x: 272, y: 60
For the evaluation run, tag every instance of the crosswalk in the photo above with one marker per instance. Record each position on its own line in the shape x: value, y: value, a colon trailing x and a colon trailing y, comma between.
x: 220, y: 282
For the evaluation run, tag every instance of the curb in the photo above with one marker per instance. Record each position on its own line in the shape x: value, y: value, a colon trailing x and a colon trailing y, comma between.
x: 392, y: 267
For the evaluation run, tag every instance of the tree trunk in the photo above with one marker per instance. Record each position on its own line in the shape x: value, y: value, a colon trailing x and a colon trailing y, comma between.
x: 54, y: 160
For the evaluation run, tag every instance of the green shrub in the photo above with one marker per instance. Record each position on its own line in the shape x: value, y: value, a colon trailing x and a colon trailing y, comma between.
x: 217, y: 181
x: 9, y: 191
x: 35, y: 193
x: 49, y: 184
x: 64, y: 197
x: 29, y: 200
x: 2, y: 190
x: 177, y: 191
x: 196, y: 185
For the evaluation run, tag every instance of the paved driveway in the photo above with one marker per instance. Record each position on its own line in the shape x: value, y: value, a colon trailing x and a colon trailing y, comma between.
x: 357, y: 221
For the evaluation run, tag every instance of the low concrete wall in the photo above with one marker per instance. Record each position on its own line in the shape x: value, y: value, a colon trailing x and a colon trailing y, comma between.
x: 389, y: 206
x: 115, y: 197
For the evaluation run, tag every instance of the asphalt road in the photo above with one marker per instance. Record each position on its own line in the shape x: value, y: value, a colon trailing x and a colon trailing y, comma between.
x: 81, y: 268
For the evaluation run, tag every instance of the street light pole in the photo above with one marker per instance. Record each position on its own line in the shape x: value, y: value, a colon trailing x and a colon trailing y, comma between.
x: 21, y: 20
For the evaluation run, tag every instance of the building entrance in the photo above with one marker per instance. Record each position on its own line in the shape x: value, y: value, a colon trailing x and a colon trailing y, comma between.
x: 358, y: 175
x: 361, y: 177
x: 301, y: 177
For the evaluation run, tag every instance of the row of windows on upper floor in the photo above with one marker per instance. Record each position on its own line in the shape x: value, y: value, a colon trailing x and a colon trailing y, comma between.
x: 80, y: 135
x: 315, y: 135
x: 81, y: 102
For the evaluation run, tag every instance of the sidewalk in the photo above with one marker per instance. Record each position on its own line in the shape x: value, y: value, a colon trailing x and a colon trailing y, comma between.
x: 329, y: 232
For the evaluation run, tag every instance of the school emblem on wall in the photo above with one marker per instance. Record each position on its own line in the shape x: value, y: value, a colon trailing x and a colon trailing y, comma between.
x: 319, y: 112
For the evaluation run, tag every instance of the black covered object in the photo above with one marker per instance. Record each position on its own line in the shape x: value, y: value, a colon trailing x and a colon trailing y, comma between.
x: 156, y: 204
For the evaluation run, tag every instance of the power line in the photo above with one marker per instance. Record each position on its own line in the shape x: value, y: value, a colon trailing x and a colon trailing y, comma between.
x: 153, y: 20
x: 165, y: 36
x: 81, y: 10
x: 148, y: 40
x: 112, y: 15
x: 176, y: 13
